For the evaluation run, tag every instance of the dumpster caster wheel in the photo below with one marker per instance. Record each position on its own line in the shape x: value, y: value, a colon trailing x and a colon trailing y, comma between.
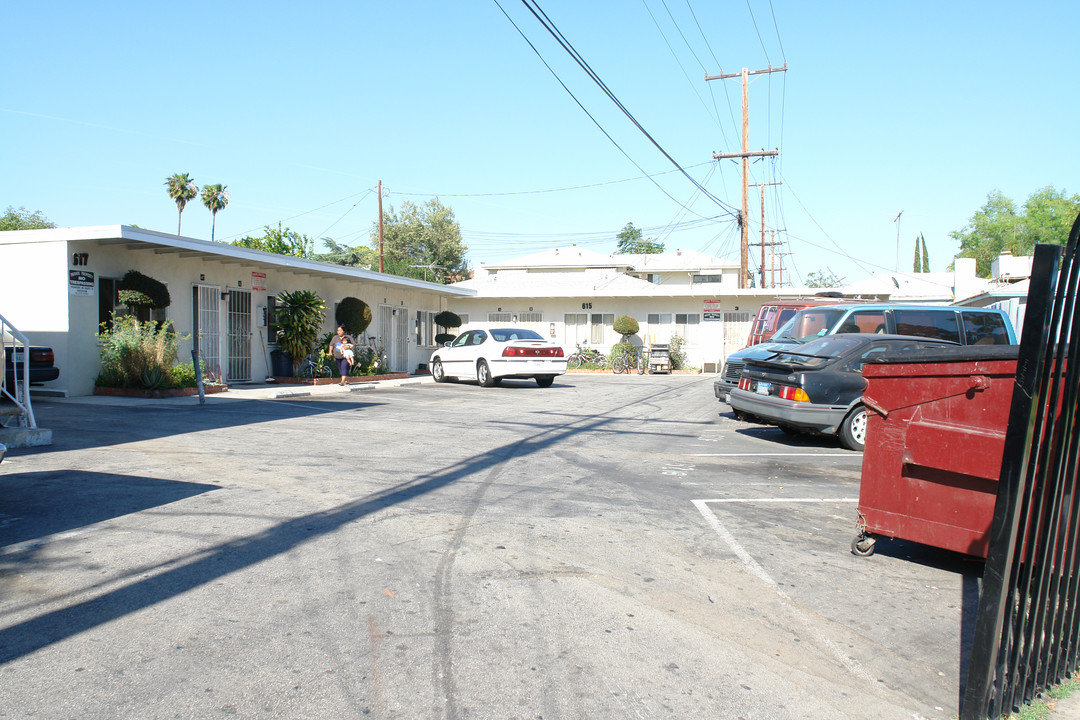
x: 863, y: 545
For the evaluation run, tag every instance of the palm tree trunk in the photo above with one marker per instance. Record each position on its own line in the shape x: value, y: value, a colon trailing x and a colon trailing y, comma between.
x: 179, y: 218
x: 213, y: 225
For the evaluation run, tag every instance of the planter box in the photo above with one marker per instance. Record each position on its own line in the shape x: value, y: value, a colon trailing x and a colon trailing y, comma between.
x: 208, y: 389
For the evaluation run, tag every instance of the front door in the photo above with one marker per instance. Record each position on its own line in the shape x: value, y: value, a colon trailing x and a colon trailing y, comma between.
x: 239, y: 360
x: 206, y: 321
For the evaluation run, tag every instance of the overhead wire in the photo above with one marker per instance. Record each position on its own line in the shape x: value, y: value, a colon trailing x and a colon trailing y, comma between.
x: 548, y: 25
x: 590, y: 116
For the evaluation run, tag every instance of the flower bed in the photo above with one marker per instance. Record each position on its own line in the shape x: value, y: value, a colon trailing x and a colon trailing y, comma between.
x: 208, y: 389
x: 336, y: 380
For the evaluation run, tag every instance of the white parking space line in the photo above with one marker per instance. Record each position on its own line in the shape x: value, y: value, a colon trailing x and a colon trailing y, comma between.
x: 757, y: 454
x: 755, y: 569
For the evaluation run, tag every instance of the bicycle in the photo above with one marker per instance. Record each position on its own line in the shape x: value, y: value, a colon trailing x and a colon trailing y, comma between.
x: 628, y: 361
x: 586, y: 356
x: 313, y: 368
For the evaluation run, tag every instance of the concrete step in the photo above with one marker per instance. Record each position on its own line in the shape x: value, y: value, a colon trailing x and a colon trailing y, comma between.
x: 21, y: 437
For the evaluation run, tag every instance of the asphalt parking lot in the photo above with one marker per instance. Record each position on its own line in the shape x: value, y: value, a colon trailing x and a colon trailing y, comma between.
x: 612, y: 546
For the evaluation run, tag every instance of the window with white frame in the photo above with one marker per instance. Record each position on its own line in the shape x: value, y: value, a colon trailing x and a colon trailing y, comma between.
x: 575, y: 328
x: 500, y: 317
x: 600, y: 330
x: 660, y: 327
x: 686, y: 326
x: 696, y: 279
x: 464, y: 318
x: 425, y: 328
x: 531, y: 317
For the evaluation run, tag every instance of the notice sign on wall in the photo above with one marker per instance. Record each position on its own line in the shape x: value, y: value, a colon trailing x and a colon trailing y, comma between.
x: 80, y: 282
x: 713, y: 310
x: 258, y: 281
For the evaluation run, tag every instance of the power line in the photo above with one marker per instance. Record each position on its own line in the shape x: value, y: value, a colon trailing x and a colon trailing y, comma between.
x: 545, y: 21
x: 590, y: 116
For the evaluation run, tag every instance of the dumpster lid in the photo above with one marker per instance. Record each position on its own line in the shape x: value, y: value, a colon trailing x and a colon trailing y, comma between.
x: 947, y: 354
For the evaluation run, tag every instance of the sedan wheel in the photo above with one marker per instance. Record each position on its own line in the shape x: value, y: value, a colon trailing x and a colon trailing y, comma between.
x: 545, y: 380
x: 483, y: 374
x: 437, y: 371
x: 853, y: 429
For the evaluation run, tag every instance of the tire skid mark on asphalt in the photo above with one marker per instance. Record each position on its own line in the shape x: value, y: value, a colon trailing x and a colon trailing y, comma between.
x: 755, y: 569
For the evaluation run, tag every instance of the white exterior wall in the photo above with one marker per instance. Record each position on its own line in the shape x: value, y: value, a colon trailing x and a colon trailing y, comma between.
x: 707, y: 348
x: 35, y: 298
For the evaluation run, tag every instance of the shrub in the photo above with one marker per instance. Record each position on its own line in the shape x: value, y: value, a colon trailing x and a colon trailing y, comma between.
x: 448, y: 320
x: 182, y: 376
x: 300, y: 315
x: 620, y: 349
x: 443, y: 338
x: 137, y: 355
x: 626, y: 325
x: 138, y: 290
x: 678, y: 354
x: 354, y: 315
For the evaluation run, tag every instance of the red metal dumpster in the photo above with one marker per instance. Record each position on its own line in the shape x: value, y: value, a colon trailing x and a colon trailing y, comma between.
x: 934, y: 440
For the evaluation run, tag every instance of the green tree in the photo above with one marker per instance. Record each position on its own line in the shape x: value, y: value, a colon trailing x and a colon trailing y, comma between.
x: 823, y: 279
x: 360, y: 256
x: 631, y: 242
x: 282, y: 241
x: 300, y: 314
x: 922, y: 256
x: 181, y: 188
x: 998, y: 225
x: 22, y: 219
x: 214, y: 197
x: 422, y: 243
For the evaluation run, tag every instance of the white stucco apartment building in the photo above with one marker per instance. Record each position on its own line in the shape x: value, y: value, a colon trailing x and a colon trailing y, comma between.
x: 573, y: 295
x: 58, y: 285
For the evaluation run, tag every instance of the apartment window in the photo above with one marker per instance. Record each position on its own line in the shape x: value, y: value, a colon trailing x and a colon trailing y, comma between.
x: 109, y: 304
x: 660, y: 327
x: 464, y: 319
x: 654, y: 278
x: 696, y: 279
x: 575, y: 328
x: 500, y: 317
x: 531, y: 317
x: 686, y: 326
x: 601, y: 327
x: 425, y: 325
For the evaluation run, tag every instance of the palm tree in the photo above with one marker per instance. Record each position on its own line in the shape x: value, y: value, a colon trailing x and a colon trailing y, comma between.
x: 181, y: 189
x: 214, y: 197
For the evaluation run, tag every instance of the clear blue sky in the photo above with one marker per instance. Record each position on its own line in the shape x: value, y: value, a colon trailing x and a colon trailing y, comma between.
x: 886, y: 107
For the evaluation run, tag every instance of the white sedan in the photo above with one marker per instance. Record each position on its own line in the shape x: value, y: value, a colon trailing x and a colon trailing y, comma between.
x: 491, y: 355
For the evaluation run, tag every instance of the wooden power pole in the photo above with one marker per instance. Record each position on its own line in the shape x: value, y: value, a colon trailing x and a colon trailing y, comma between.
x: 763, y: 243
x: 744, y: 271
x: 380, y: 226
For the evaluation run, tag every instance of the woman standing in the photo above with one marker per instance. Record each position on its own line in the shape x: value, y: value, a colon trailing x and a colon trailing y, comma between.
x: 341, y: 347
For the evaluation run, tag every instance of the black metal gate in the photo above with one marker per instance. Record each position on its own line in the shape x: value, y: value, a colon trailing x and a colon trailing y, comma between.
x: 1028, y: 620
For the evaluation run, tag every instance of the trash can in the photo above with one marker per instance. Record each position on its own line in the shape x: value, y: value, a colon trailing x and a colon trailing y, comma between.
x: 935, y: 436
x: 280, y: 363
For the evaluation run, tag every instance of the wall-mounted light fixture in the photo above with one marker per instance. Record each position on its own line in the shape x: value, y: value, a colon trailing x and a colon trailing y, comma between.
x: 224, y: 294
x: 202, y: 278
x: 239, y: 283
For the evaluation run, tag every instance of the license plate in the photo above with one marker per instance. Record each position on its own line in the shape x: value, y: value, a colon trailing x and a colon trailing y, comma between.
x: 763, y: 388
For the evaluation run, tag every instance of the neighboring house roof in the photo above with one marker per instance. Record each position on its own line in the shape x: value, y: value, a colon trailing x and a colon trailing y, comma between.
x: 137, y: 238
x: 578, y: 257
x: 906, y: 287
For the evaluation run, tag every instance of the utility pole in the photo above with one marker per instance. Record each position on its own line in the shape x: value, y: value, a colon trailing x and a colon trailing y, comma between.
x: 380, y: 226
x: 744, y: 273
x: 897, y: 221
x: 763, y: 243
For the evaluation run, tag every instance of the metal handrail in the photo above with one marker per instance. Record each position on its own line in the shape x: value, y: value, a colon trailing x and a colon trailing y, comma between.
x: 17, y: 338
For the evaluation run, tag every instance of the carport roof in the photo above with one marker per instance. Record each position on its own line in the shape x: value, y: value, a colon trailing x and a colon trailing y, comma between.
x: 163, y: 243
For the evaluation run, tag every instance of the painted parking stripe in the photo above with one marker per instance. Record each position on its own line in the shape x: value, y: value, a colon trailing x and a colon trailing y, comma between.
x: 755, y: 569
x: 794, y: 455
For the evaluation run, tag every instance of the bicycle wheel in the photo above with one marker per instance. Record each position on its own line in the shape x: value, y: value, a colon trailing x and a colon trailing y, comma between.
x: 305, y: 370
x: 574, y: 361
x: 324, y: 371
x: 618, y: 365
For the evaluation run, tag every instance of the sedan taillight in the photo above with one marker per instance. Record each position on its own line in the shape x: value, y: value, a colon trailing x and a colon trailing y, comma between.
x: 532, y: 352
x: 41, y: 355
x: 786, y: 392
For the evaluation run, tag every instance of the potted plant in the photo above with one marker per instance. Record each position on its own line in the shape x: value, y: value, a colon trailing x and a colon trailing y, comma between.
x: 300, y: 314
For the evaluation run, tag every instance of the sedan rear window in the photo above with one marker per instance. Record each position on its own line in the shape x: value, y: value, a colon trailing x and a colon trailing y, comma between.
x: 820, y: 351
x: 515, y: 334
